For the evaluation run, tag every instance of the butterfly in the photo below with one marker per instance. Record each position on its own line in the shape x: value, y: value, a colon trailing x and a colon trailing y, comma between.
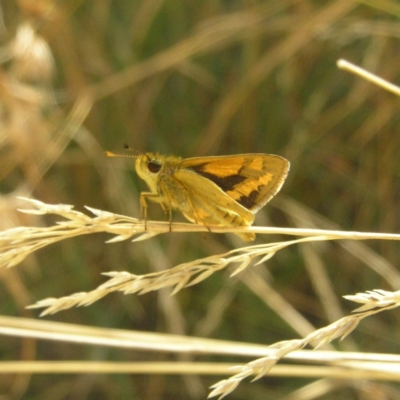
x: 220, y: 190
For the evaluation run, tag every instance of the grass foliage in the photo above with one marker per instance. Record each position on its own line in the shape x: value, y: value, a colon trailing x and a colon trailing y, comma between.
x: 191, y: 79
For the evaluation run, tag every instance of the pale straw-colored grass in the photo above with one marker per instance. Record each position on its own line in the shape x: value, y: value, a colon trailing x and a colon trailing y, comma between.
x: 376, y: 80
x: 373, y: 302
x: 311, y: 364
x: 18, y: 243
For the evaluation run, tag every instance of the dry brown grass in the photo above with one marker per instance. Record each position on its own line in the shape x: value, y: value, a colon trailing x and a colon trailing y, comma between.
x: 191, y: 79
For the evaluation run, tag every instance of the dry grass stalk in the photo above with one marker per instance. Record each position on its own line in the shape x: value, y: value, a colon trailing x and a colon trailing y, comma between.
x: 376, y: 80
x: 374, y: 302
x: 17, y: 243
x: 183, y: 275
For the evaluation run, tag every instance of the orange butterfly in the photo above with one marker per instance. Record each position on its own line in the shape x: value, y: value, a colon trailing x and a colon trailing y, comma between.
x: 221, y: 190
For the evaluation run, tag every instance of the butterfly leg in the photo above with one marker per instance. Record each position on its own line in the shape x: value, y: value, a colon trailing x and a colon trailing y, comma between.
x: 143, y: 205
x: 168, y: 207
x: 168, y: 210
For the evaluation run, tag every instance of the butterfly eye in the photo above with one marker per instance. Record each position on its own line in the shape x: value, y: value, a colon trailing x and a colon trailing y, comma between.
x: 153, y: 166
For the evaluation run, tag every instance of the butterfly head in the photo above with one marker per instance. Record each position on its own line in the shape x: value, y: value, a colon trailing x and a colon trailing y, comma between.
x: 148, y: 165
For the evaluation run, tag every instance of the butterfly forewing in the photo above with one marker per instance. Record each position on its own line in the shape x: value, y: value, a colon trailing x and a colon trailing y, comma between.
x: 250, y: 179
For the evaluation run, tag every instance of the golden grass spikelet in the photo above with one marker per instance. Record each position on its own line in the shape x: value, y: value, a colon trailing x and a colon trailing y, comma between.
x: 375, y: 299
x: 338, y: 329
x: 17, y: 243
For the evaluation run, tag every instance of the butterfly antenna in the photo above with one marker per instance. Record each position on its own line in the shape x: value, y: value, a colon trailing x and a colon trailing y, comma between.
x: 126, y: 147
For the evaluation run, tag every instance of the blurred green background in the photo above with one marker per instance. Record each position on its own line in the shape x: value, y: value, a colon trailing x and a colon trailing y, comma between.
x: 196, y: 78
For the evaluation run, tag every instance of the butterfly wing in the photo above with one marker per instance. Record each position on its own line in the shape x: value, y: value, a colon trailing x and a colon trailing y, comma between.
x: 205, y: 202
x: 251, y: 180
